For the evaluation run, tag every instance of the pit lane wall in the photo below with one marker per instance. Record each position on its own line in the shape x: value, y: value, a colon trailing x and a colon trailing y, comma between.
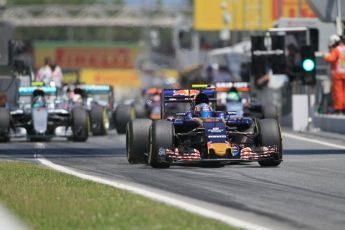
x: 330, y: 123
x: 93, y: 63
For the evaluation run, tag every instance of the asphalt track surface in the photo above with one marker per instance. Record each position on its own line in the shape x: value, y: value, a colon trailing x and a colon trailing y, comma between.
x: 306, y: 192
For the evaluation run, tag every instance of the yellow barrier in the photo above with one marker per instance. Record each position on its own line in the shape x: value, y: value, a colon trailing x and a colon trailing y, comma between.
x: 246, y: 14
x: 116, y: 78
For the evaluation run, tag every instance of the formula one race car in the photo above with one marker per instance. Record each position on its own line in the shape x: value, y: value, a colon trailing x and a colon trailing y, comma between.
x: 147, y: 106
x: 202, y: 135
x: 40, y: 117
x: 100, y: 104
x: 236, y: 97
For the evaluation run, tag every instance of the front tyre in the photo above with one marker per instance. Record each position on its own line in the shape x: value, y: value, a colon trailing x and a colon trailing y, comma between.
x: 140, y: 110
x: 161, y: 138
x: 5, y: 119
x: 270, y: 135
x: 270, y: 112
x: 99, y: 120
x: 123, y: 114
x: 80, y: 124
x: 137, y: 140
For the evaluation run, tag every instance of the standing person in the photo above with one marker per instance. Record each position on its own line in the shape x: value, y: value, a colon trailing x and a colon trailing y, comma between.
x: 45, y: 72
x: 293, y: 60
x: 56, y: 75
x: 336, y: 57
x: 211, y: 72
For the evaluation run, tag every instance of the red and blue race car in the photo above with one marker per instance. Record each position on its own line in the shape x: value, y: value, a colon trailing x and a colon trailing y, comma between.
x: 193, y: 135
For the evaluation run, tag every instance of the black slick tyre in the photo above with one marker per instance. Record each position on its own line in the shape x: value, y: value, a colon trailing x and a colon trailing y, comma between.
x: 80, y: 124
x: 270, y: 112
x: 123, y: 114
x: 99, y: 120
x: 5, y: 119
x: 140, y: 111
x: 161, y: 138
x: 137, y: 140
x: 270, y: 135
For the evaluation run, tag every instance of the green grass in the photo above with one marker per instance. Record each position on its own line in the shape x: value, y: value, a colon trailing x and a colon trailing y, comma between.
x: 46, y: 199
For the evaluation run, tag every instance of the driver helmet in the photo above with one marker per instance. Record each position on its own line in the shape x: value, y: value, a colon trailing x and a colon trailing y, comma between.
x: 202, y: 107
x: 38, y: 102
x: 233, y: 95
x: 203, y: 110
x: 201, y: 98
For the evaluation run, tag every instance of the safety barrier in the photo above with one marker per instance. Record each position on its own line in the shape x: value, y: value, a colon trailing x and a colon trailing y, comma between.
x: 330, y: 123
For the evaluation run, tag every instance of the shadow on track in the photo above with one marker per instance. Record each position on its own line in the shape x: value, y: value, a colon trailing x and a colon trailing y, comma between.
x: 17, y: 153
x: 63, y: 152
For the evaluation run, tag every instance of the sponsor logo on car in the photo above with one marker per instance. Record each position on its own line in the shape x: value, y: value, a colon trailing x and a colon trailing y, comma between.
x: 235, y: 149
x: 161, y: 152
x: 216, y: 136
x: 185, y: 92
x: 216, y: 130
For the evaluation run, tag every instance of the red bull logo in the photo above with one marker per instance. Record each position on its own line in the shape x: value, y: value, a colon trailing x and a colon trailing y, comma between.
x: 186, y: 92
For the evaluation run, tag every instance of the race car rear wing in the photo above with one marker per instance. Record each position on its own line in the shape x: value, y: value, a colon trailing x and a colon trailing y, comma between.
x: 225, y: 86
x: 151, y: 91
x: 184, y: 96
x: 28, y: 90
x: 96, y: 89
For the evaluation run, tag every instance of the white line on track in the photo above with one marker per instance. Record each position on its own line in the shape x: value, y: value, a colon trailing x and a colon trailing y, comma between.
x: 297, y: 137
x: 230, y: 220
x: 9, y: 221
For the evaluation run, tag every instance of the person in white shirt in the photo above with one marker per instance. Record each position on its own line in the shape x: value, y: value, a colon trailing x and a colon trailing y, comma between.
x: 56, y: 75
x: 50, y: 74
x: 45, y: 72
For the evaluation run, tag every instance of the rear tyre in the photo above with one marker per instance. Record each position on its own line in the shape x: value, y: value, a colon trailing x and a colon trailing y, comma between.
x: 5, y: 119
x: 270, y: 112
x: 161, y: 138
x: 80, y: 124
x: 137, y: 140
x: 270, y: 135
x: 140, y: 111
x: 99, y: 120
x: 123, y: 114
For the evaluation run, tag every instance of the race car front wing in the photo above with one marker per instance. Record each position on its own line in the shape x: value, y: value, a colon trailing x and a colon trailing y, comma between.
x: 247, y: 154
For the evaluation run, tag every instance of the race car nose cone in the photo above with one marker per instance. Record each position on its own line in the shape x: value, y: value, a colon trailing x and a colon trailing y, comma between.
x: 219, y: 149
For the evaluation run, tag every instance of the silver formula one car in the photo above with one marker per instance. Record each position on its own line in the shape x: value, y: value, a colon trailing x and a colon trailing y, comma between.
x: 41, y: 116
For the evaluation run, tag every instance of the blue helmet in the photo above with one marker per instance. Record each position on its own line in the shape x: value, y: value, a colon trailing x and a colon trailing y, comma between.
x: 233, y: 95
x: 203, y: 110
